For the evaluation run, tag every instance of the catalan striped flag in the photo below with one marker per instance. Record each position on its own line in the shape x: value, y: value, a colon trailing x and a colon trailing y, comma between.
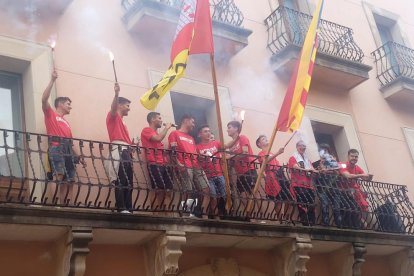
x: 291, y: 112
x: 193, y: 36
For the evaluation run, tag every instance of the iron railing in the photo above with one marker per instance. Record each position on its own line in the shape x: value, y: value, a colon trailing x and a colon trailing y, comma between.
x: 331, y: 201
x: 225, y: 11
x: 394, y: 61
x: 289, y: 27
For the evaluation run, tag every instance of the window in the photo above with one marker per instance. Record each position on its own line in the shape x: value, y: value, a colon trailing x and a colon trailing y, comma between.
x: 10, y: 119
x: 332, y: 135
x: 203, y: 111
x: 332, y: 127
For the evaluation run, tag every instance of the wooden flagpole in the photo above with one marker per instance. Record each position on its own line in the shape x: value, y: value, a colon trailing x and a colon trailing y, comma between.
x: 220, y: 129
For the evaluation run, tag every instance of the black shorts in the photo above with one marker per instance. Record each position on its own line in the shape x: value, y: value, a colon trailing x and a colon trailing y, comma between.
x: 161, y: 177
x: 246, y: 181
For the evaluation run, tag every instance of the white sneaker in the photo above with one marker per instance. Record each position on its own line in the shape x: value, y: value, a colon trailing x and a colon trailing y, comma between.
x: 125, y: 212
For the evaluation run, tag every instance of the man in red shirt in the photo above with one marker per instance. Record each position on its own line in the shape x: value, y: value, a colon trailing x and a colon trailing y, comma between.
x: 242, y: 161
x: 211, y: 164
x: 61, y: 154
x: 120, y: 165
x: 354, y: 197
x: 301, y: 186
x: 185, y: 158
x: 161, y: 177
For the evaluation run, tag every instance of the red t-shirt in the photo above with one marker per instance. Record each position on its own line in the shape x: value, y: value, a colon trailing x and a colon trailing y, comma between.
x: 244, y: 163
x: 56, y: 125
x: 272, y: 186
x: 152, y: 155
x: 359, y: 195
x: 299, y: 178
x: 184, y: 143
x: 211, y: 165
x: 117, y: 129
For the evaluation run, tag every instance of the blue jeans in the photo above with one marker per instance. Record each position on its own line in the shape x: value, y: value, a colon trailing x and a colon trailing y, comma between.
x: 217, y: 186
x: 62, y: 161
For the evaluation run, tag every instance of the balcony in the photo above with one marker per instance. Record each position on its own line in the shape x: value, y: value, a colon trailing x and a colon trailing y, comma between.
x: 338, y: 60
x: 36, y: 9
x: 395, y: 72
x: 144, y: 17
x: 31, y: 206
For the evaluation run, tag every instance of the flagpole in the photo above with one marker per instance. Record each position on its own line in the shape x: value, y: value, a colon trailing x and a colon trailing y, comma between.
x: 220, y: 129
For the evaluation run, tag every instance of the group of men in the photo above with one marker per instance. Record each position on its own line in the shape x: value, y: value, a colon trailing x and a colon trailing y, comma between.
x: 196, y: 167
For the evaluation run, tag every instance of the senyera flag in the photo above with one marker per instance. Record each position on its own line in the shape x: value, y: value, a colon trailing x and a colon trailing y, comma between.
x: 293, y: 106
x: 193, y: 36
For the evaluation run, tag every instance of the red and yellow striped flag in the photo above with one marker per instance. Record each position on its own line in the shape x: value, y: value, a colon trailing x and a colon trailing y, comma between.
x: 291, y: 112
x: 193, y: 36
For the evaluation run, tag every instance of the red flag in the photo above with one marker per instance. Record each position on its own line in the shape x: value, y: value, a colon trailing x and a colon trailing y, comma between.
x: 203, y: 35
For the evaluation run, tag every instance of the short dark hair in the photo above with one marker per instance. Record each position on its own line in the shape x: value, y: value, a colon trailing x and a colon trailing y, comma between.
x: 186, y: 117
x: 122, y: 100
x: 258, y: 140
x: 62, y: 100
x: 235, y: 124
x: 203, y: 126
x: 326, y: 147
x: 151, y: 116
x: 353, y: 151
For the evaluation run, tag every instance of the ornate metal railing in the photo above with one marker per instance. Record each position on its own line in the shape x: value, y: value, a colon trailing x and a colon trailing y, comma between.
x: 225, y: 11
x: 289, y: 27
x: 330, y: 200
x: 394, y: 61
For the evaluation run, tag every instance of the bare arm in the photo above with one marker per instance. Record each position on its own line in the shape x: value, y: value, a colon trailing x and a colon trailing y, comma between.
x: 279, y: 152
x: 353, y: 176
x: 114, y: 105
x: 160, y: 136
x: 48, y: 90
x: 231, y: 143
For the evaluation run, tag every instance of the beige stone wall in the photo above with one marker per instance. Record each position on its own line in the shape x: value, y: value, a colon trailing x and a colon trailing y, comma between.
x: 24, y: 258
x: 109, y: 260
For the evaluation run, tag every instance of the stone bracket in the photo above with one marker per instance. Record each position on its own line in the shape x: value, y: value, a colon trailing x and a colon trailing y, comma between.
x: 291, y: 257
x: 163, y: 253
x: 359, y: 251
x: 79, y: 239
x: 403, y: 263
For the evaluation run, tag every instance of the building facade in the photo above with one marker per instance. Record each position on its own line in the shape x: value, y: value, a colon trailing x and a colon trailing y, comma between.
x: 361, y: 97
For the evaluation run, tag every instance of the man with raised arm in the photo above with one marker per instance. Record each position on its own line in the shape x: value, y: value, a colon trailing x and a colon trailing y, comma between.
x: 242, y: 160
x: 61, y: 154
x: 119, y: 166
x: 161, y: 177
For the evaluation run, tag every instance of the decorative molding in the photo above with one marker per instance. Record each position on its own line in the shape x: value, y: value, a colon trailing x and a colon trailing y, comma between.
x: 291, y: 257
x: 359, y: 251
x: 79, y: 242
x: 163, y: 253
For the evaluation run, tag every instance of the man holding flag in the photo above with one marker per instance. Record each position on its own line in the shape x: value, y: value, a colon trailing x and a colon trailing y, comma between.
x: 193, y: 36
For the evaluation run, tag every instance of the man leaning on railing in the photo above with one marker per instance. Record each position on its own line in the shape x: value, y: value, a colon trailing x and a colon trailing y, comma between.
x: 302, y: 187
x: 60, y: 152
x: 355, y: 198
